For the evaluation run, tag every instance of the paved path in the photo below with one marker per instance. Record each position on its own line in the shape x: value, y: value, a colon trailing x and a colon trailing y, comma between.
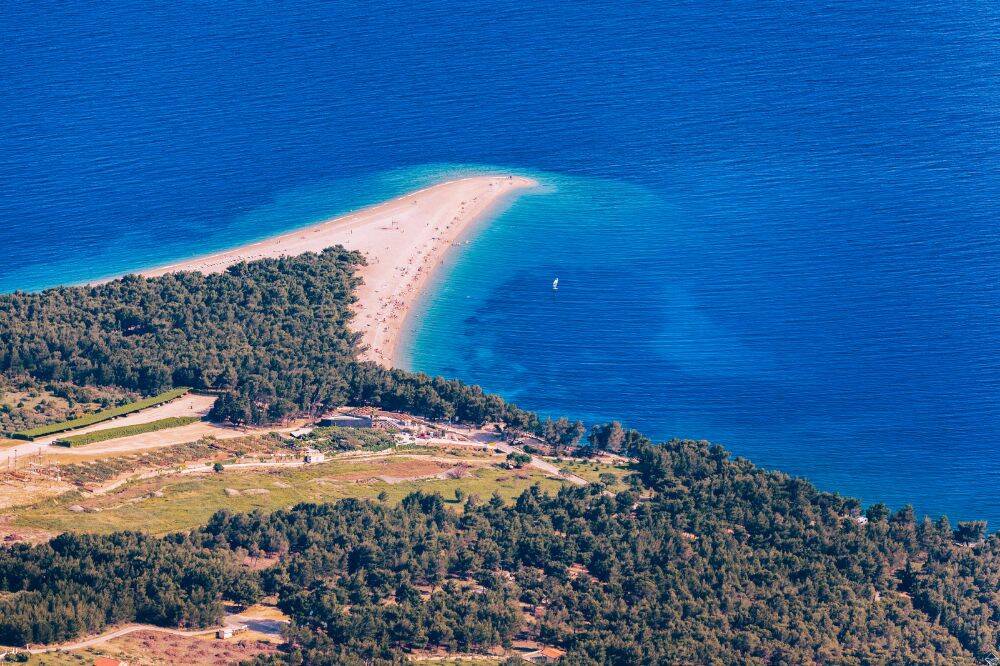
x: 480, y: 439
x: 543, y: 465
x: 266, y: 626
x: 118, y: 633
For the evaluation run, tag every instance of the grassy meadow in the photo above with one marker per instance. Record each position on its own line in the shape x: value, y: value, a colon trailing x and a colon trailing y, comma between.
x: 170, y: 503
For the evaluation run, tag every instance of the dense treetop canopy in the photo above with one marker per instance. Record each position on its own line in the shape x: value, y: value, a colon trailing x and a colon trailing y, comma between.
x: 704, y: 560
x: 271, y: 335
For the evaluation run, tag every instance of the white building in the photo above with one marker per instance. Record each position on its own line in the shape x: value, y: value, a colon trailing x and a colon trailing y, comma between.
x: 314, y: 456
x: 345, y: 421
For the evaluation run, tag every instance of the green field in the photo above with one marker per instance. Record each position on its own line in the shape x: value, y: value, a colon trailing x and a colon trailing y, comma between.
x: 184, y: 502
x: 98, y: 417
x: 336, y: 438
x: 591, y: 470
x: 126, y: 431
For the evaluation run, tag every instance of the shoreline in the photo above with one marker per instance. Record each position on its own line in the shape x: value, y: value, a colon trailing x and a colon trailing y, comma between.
x: 418, y: 303
x: 404, y: 240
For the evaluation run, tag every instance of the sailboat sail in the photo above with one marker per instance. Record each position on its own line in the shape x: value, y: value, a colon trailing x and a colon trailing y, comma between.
x: 555, y: 284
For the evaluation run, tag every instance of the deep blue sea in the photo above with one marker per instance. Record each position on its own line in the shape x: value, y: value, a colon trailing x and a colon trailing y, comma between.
x: 775, y: 225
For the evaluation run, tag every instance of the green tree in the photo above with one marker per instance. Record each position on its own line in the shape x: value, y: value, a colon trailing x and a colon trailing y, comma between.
x: 971, y: 531
x: 877, y: 513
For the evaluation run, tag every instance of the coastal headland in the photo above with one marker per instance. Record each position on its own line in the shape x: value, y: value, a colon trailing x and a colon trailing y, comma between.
x: 403, y: 240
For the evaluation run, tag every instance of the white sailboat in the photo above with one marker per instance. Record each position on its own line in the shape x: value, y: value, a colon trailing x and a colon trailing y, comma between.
x: 555, y: 284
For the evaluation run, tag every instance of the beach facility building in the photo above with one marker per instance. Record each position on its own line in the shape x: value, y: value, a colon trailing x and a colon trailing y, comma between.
x: 389, y: 423
x: 230, y: 631
x: 314, y: 456
x: 545, y: 655
x: 345, y: 421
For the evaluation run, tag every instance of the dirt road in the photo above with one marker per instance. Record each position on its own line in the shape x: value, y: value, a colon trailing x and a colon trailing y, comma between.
x: 262, y: 625
x: 188, y: 405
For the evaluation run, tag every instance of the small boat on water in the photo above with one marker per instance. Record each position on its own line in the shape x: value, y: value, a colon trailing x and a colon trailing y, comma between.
x: 555, y: 284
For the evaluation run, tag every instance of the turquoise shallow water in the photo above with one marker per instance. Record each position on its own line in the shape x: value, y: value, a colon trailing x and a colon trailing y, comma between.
x: 798, y: 356
x: 145, y: 246
x: 774, y: 226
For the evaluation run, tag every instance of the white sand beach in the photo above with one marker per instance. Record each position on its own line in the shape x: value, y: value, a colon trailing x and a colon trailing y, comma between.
x: 403, y: 239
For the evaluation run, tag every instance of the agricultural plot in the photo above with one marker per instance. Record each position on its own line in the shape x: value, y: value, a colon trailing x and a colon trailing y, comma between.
x: 126, y: 431
x: 99, y: 417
